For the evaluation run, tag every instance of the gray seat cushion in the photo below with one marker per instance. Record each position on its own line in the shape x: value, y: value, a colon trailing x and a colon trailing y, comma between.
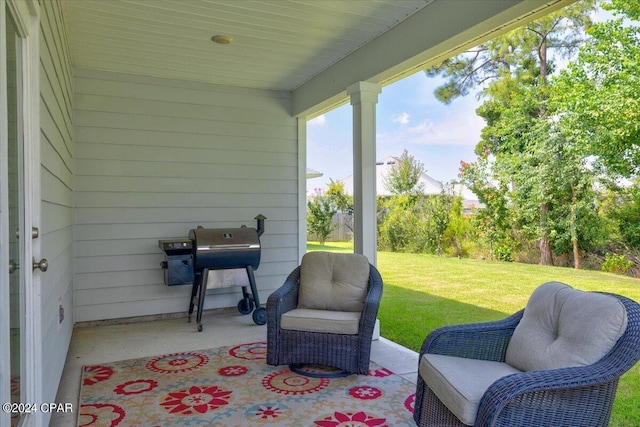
x: 564, y: 327
x: 335, y: 282
x: 325, y: 321
x: 460, y: 383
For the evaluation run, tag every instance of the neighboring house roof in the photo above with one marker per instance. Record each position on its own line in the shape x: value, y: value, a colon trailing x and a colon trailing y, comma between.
x: 469, y: 199
x: 311, y: 173
x: 430, y: 185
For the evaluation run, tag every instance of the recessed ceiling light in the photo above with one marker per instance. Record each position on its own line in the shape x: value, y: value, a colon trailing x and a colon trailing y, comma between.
x: 222, y: 39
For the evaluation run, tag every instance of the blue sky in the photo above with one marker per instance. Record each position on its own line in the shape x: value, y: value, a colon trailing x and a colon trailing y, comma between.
x: 408, y: 117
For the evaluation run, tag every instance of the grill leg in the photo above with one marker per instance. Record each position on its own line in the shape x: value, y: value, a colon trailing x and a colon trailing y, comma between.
x: 260, y: 313
x: 245, y: 305
x: 201, y: 293
x: 252, y: 283
x: 194, y: 291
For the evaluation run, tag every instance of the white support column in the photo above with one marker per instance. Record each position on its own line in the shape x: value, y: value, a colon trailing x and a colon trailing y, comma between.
x: 302, y: 188
x: 364, y: 96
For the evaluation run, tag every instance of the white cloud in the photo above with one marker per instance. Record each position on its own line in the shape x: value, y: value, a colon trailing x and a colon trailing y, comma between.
x: 318, y: 121
x: 425, y: 127
x: 457, y: 129
x: 402, y: 118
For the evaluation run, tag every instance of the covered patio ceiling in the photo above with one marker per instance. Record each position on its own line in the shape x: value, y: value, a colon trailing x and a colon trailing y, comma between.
x: 312, y: 48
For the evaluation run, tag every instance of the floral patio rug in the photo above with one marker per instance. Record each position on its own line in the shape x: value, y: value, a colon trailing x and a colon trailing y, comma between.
x: 234, y: 387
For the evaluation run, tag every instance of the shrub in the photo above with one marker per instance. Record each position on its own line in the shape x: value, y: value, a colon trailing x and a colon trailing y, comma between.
x: 320, y: 212
x: 392, y: 234
x: 503, y: 253
x: 616, y: 263
x: 458, y: 230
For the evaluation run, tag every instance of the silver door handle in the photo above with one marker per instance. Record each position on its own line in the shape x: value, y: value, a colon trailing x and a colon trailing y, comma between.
x: 35, y: 233
x: 13, y: 266
x: 43, y: 265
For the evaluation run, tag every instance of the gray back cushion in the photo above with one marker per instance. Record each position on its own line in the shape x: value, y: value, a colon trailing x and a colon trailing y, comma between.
x: 564, y: 327
x: 330, y: 281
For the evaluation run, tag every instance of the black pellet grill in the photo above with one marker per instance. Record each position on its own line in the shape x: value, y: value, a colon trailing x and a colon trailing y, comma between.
x: 188, y: 261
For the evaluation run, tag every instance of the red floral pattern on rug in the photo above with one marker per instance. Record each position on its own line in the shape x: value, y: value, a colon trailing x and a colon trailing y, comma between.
x: 100, y: 415
x: 135, y: 387
x: 251, y: 351
x: 365, y: 393
x: 268, y: 413
x: 381, y: 373
x: 95, y: 374
x: 196, y: 399
x: 287, y: 382
x: 349, y: 419
x: 177, y: 362
x: 233, y: 371
x: 410, y: 403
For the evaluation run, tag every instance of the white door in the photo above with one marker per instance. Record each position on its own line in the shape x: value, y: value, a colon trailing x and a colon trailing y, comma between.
x: 19, y: 285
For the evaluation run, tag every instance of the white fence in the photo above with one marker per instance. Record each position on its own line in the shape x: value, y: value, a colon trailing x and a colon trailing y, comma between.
x: 341, y: 232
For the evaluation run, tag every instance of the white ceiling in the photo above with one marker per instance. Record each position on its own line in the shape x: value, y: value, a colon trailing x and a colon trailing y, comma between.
x: 278, y: 44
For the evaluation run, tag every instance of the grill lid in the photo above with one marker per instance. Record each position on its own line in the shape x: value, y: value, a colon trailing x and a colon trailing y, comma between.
x: 211, y: 239
x: 223, y: 248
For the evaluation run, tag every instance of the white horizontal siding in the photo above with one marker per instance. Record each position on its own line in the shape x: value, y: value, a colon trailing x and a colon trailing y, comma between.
x: 159, y: 156
x: 91, y: 232
x: 56, y: 178
x: 182, y: 214
x: 155, y: 158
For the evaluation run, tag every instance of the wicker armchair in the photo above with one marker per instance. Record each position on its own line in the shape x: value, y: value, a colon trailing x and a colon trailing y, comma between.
x: 312, y: 343
x: 561, y: 396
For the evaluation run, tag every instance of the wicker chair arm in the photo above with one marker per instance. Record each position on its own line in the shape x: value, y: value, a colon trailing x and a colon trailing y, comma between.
x: 486, y: 341
x: 285, y: 298
x: 374, y: 294
x: 561, y: 392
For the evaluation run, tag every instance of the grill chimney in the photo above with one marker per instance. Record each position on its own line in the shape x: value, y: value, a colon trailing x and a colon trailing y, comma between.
x: 260, y: 218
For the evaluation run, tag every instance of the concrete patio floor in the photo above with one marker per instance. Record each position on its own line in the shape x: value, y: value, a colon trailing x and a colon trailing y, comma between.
x: 102, y: 343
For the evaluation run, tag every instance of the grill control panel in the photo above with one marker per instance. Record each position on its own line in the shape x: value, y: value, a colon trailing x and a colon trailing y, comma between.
x: 176, y: 246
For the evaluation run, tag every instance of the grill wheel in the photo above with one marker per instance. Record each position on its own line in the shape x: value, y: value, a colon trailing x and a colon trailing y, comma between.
x: 245, y: 305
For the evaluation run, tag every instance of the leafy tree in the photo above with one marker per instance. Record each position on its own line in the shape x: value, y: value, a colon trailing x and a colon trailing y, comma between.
x: 342, y: 202
x: 438, y: 211
x: 320, y: 212
x: 340, y: 199
x: 551, y: 186
x: 458, y: 227
x: 599, y: 93
x: 404, y: 176
x: 493, y: 221
x: 521, y: 55
x: 520, y: 137
x: 624, y: 208
x: 402, y: 225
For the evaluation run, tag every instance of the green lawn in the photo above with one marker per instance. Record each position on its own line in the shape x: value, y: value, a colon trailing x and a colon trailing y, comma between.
x: 423, y: 292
